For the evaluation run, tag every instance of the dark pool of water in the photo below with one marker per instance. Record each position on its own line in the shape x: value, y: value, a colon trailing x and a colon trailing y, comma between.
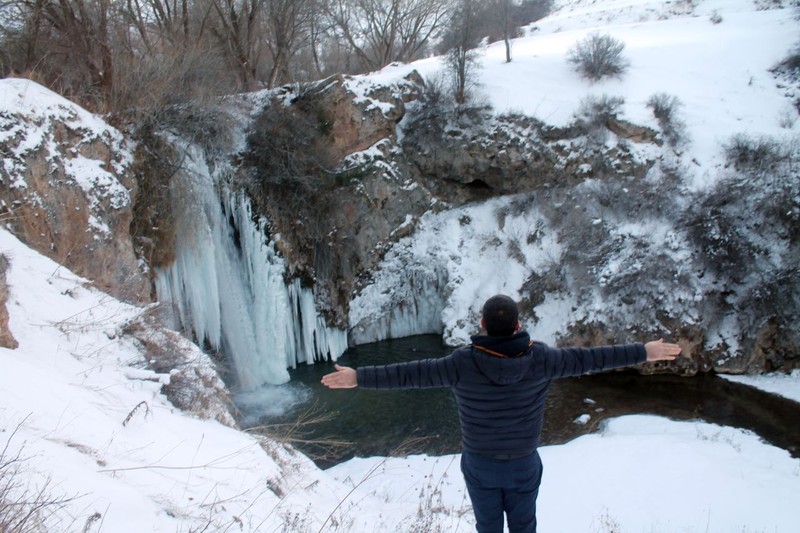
x: 425, y: 421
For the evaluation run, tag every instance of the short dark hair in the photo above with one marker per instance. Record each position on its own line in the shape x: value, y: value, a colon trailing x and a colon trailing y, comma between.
x: 500, y: 315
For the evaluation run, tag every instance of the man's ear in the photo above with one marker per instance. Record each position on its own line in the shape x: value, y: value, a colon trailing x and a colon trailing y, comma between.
x: 518, y: 327
x: 483, y: 324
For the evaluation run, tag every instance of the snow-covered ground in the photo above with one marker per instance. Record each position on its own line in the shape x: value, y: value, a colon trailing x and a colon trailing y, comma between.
x: 786, y: 385
x: 81, y: 411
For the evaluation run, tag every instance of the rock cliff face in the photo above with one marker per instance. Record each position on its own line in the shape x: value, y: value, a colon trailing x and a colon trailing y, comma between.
x: 399, y: 156
x: 383, y: 158
x: 333, y: 226
x: 65, y: 189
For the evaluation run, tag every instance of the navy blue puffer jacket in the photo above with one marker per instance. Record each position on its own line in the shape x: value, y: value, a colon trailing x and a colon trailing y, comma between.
x: 500, y: 384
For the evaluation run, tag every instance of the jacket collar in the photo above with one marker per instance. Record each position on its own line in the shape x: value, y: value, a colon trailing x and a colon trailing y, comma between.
x: 512, y: 346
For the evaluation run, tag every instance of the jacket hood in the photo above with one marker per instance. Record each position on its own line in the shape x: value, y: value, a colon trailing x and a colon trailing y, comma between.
x: 503, y: 360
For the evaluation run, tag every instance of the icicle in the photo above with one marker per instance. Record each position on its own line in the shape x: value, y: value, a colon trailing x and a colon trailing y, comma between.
x: 410, y: 304
x: 315, y: 341
x: 227, y: 286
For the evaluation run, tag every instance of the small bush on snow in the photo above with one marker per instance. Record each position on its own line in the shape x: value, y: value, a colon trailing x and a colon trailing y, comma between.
x: 431, y: 124
x: 665, y: 109
x: 754, y: 154
x: 790, y: 66
x: 598, y: 56
x: 594, y: 114
x: 597, y: 110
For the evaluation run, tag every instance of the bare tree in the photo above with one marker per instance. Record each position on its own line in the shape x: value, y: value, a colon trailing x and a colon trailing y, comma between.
x: 382, y: 31
x: 170, y: 21
x: 503, y: 11
x: 68, y: 42
x: 318, y: 28
x: 239, y: 30
x: 167, y: 54
x: 465, y: 31
x: 290, y: 23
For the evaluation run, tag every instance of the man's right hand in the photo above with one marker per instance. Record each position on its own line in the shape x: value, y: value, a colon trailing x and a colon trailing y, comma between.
x: 344, y: 378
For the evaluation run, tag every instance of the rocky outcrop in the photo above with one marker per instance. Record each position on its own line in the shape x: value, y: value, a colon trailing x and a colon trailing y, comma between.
x: 358, y: 113
x: 628, y: 130
x: 464, y: 156
x: 65, y: 187
x: 333, y: 231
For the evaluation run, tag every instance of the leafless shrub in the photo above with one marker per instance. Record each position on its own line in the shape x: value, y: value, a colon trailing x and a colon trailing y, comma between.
x: 754, y: 154
x: 431, y: 505
x: 461, y: 65
x: 664, y: 106
x: 148, y: 85
x: 598, y: 56
x: 295, y: 521
x: 435, y: 93
x: 665, y: 109
x: 596, y: 111
x: 594, y: 114
x: 789, y: 67
x: 288, y: 141
x: 289, y: 152
x: 423, y: 521
x: 435, y: 125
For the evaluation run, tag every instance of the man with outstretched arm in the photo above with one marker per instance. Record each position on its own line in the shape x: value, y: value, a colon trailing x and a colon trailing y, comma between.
x: 500, y: 382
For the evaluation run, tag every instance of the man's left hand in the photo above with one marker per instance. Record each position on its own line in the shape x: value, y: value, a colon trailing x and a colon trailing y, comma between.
x: 661, y: 351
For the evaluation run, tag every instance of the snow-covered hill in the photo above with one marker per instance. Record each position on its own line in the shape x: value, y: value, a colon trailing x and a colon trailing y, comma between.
x: 719, y: 71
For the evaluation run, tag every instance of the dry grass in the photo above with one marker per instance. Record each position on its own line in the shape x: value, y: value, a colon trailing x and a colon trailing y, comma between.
x: 29, y: 503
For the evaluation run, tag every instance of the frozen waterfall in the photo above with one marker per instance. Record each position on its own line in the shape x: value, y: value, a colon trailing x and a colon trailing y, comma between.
x: 227, y: 284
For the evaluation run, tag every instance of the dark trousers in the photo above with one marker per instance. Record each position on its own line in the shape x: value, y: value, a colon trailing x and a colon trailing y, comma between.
x: 498, y: 486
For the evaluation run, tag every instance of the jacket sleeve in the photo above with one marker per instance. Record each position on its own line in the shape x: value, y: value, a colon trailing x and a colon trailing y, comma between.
x: 568, y: 362
x: 422, y: 374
